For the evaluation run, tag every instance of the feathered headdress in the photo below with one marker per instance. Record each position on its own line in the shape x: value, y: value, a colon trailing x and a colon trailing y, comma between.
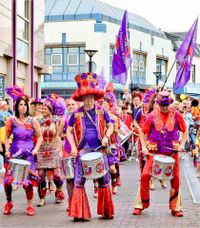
x: 56, y: 104
x: 15, y: 92
x: 149, y: 97
x: 109, y: 96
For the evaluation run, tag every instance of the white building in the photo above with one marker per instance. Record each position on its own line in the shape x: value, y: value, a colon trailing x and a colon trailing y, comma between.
x: 21, y: 45
x: 73, y: 26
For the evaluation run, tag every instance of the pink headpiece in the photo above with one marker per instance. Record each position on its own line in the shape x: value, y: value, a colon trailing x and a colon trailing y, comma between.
x: 15, y: 92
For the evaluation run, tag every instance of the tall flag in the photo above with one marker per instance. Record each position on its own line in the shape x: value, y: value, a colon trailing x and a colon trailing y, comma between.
x: 184, y: 56
x: 122, y: 57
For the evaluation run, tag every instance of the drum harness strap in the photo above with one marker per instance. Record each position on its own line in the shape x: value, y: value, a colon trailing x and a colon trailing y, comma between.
x: 108, y: 150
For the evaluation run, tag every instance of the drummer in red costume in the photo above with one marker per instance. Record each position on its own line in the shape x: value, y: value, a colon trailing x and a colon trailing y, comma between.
x: 89, y: 127
x: 162, y: 127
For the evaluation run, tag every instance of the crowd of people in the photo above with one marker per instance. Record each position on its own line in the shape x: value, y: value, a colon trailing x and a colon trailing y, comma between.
x: 46, y: 132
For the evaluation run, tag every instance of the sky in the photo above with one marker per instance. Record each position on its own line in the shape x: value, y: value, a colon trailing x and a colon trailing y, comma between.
x: 168, y: 15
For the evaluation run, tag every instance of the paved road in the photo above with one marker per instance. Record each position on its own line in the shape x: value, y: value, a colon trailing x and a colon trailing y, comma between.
x: 158, y: 215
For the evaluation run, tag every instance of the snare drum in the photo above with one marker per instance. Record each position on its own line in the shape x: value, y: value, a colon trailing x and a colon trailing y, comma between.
x: 162, y: 167
x: 124, y: 133
x: 93, y: 165
x: 19, y: 169
x: 68, y: 168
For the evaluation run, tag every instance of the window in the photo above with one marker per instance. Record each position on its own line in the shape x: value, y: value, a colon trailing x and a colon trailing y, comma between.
x: 22, y: 50
x: 2, y: 87
x: 67, y: 62
x: 72, y: 59
x: 23, y: 30
x: 139, y: 67
x: 135, y: 65
x: 112, y: 49
x: 193, y: 74
x: 56, y: 59
x: 161, y: 66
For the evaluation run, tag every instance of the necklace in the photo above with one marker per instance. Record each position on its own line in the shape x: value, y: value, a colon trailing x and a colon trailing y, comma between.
x: 23, y: 121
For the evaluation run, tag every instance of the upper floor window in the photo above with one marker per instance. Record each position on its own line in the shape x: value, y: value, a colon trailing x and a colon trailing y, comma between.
x: 23, y: 30
x: 56, y: 59
x: 161, y: 66
x: 139, y: 67
x: 66, y: 62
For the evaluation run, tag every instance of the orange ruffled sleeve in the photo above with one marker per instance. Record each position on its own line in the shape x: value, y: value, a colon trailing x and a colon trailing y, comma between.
x: 8, y: 124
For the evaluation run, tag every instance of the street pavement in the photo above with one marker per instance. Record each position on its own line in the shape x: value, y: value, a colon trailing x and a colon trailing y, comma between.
x: 158, y: 215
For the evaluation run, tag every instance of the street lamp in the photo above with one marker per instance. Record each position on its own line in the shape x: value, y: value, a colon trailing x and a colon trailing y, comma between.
x: 157, y: 74
x: 90, y: 53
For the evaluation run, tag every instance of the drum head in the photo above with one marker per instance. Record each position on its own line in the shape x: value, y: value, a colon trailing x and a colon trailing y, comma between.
x: 19, y: 161
x: 164, y: 159
x: 91, y: 156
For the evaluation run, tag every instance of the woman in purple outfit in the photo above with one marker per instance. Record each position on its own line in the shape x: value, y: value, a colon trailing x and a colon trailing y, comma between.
x: 23, y: 128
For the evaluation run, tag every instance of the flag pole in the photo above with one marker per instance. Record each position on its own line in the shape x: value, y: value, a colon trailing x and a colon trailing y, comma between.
x: 168, y: 74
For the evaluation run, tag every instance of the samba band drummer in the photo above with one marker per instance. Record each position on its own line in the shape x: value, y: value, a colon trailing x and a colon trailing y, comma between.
x: 23, y: 127
x: 90, y: 126
x: 162, y: 127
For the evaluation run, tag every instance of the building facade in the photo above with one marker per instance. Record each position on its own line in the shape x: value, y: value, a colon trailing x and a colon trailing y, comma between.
x: 22, y: 45
x: 74, y: 26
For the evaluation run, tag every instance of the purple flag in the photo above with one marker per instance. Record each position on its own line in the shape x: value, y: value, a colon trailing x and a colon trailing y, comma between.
x: 122, y: 58
x: 184, y: 56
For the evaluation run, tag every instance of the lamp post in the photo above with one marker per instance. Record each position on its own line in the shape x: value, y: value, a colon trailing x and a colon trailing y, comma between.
x: 157, y: 74
x: 90, y: 53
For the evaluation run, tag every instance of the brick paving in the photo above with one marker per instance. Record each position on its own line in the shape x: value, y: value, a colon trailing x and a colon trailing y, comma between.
x: 158, y: 215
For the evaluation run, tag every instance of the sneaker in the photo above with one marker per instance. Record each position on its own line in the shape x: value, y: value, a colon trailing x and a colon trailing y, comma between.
x: 177, y: 213
x: 59, y: 196
x: 194, y: 163
x: 95, y: 195
x: 163, y: 184
x: 119, y: 183
x: 14, y: 187
x: 114, y: 190
x: 42, y: 202
x: 30, y: 211
x: 7, y: 208
x: 137, y: 211
x: 108, y: 217
x: 152, y: 184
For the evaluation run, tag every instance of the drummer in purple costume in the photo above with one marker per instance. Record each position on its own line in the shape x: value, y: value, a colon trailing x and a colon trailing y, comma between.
x: 23, y: 127
x: 90, y: 126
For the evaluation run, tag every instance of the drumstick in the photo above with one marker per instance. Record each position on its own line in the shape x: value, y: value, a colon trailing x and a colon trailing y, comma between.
x: 174, y: 149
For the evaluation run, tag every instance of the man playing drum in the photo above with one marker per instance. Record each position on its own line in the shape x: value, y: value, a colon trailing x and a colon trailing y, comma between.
x: 162, y: 127
x: 89, y: 127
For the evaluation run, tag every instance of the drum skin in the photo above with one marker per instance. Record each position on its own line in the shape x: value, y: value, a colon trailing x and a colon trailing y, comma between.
x: 162, y: 167
x: 93, y: 165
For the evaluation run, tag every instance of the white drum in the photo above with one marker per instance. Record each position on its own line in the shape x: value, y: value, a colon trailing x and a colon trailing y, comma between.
x: 124, y: 133
x: 93, y: 165
x: 162, y: 167
x: 19, y: 169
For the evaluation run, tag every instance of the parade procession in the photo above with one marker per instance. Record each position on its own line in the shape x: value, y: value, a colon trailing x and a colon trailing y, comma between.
x: 96, y: 154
